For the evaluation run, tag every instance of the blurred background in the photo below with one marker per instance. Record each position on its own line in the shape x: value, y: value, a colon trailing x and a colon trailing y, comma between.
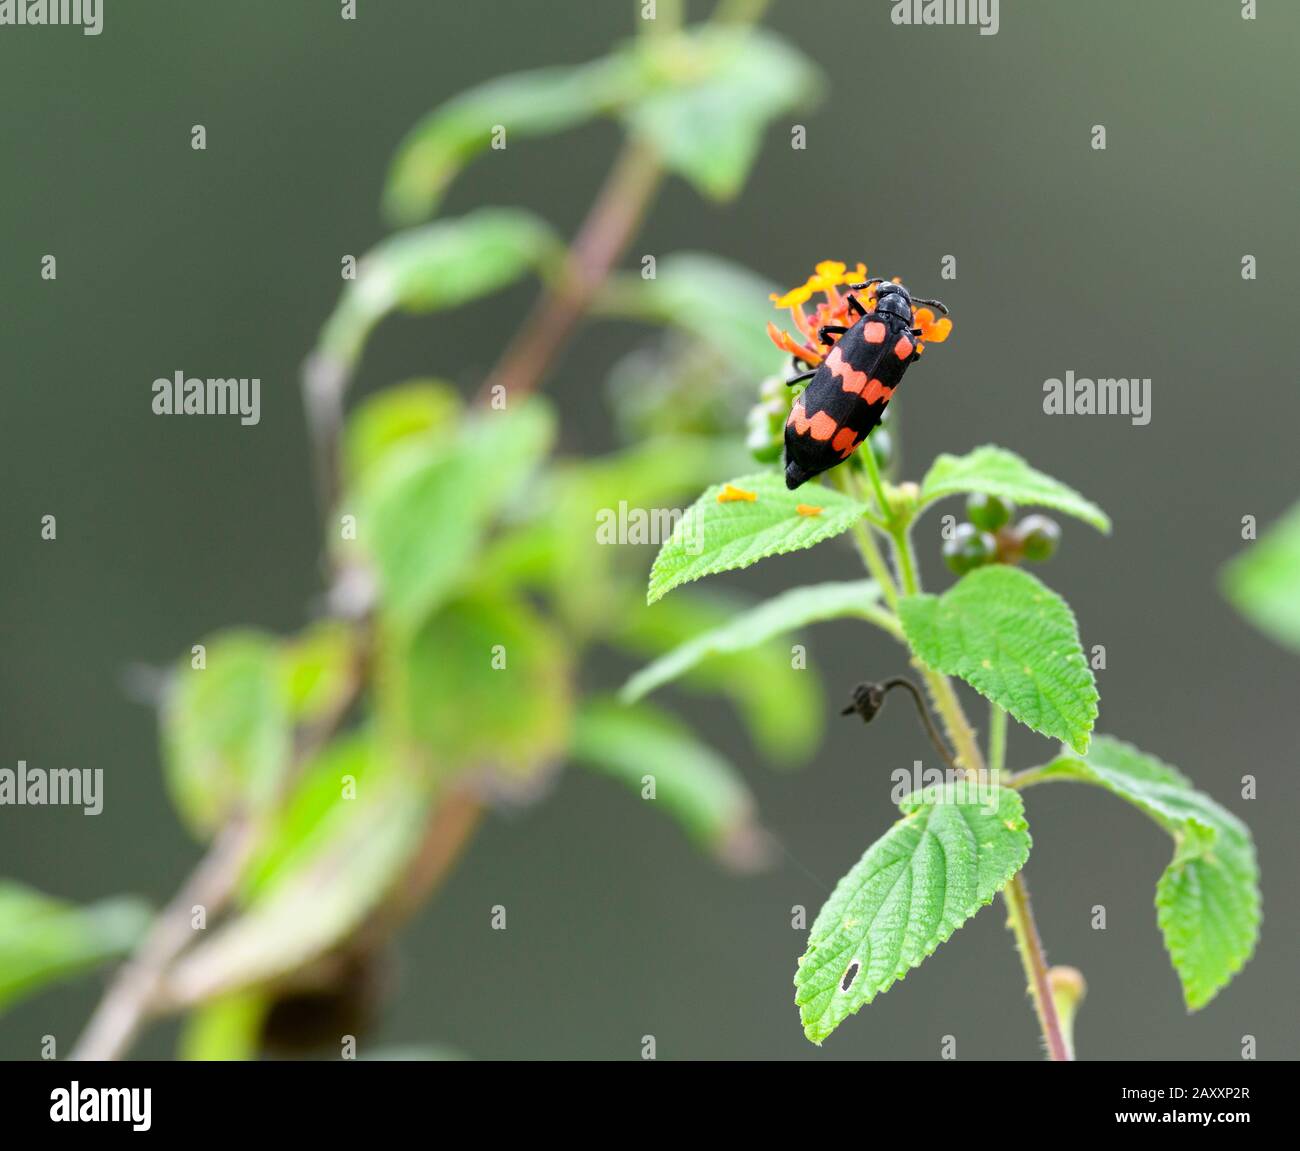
x: 927, y: 142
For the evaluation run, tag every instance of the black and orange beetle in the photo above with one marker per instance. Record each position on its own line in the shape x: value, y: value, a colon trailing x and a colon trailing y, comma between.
x: 855, y: 381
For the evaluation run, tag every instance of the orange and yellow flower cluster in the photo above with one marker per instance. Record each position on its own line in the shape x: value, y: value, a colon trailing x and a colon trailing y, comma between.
x: 833, y: 310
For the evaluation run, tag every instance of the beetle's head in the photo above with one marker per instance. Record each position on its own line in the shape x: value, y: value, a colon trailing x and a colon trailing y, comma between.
x: 894, y: 299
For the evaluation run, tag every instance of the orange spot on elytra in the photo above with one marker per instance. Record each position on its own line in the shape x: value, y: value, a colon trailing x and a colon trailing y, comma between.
x: 844, y: 438
x: 731, y: 494
x: 808, y: 509
x: 822, y: 426
x: 903, y: 348
x: 875, y: 392
x: 799, y: 419
x: 851, y: 380
x: 874, y: 332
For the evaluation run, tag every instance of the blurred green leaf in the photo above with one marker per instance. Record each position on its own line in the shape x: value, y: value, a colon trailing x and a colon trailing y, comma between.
x: 423, y: 1053
x: 719, y: 302
x: 994, y: 471
x: 422, y: 511
x: 43, y: 940
x: 524, y: 104
x: 440, y: 265
x: 485, y: 683
x: 718, y: 89
x: 780, y: 615
x: 726, y: 529
x: 319, y: 670
x: 603, y: 513
x: 781, y: 705
x: 227, y: 730
x: 1016, y: 642
x: 1263, y: 583
x: 642, y: 746
x: 226, y: 1029
x: 415, y: 410
x: 333, y: 855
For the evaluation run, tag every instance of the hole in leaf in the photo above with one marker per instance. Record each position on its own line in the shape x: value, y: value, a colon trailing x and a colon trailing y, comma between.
x: 850, y: 975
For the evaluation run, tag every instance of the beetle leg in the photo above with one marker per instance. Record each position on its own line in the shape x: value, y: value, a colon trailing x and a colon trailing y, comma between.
x: 799, y: 379
x: 855, y: 304
x: 826, y: 331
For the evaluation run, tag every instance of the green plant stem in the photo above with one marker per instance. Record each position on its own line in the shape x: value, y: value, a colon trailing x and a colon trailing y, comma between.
x: 997, y: 739
x: 1020, y: 918
x: 1020, y: 915
x: 866, y: 542
x: 877, y: 484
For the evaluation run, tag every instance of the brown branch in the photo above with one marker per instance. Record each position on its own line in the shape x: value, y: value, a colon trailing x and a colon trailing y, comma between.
x: 604, y: 235
x: 122, y: 1012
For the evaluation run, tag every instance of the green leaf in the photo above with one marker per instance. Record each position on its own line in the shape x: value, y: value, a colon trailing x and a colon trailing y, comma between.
x: 440, y: 265
x: 716, y: 536
x: 692, y: 782
x: 227, y: 730
x: 319, y: 670
x: 1207, y: 900
x: 524, y: 104
x: 781, y: 705
x: 226, y: 1029
x: 1263, y: 582
x: 420, y: 409
x: 952, y: 852
x: 784, y: 613
x: 720, y: 303
x: 1014, y: 641
x: 723, y: 86
x: 994, y: 471
x: 327, y: 861
x: 422, y: 511
x: 486, y: 683
x: 43, y: 940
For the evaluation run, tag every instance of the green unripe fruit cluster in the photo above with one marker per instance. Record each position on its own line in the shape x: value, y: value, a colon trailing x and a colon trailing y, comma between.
x: 991, y: 536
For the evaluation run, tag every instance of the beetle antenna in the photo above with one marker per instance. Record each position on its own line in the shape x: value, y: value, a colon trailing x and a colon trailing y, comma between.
x: 932, y: 303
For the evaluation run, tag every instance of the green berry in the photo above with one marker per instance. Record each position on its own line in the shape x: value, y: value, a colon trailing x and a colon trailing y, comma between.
x: 969, y: 548
x: 988, y: 512
x: 1038, y: 537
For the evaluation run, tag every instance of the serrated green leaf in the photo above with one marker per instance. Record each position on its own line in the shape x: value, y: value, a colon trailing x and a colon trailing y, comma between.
x: 1263, y: 582
x: 422, y: 511
x: 723, y: 86
x: 524, y: 104
x: 692, y: 782
x: 485, y: 683
x: 716, y: 536
x: 1014, y: 641
x: 782, y: 706
x: 326, y: 862
x: 440, y: 265
x: 784, y: 613
x: 227, y: 729
x: 44, y: 940
x: 994, y: 471
x: 949, y: 856
x: 1207, y: 900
